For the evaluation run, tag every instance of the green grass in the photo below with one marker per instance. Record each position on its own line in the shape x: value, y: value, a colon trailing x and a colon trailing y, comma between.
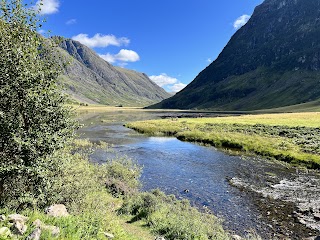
x: 293, y: 138
x: 105, y: 198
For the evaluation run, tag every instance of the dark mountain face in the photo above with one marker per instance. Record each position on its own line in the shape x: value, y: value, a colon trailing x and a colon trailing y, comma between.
x: 91, y: 79
x: 272, y: 61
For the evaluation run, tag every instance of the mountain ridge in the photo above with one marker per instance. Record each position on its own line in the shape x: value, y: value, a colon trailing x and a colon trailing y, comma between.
x: 276, y: 55
x: 88, y: 78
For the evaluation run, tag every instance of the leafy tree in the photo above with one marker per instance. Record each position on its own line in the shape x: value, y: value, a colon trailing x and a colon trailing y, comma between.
x: 34, y: 120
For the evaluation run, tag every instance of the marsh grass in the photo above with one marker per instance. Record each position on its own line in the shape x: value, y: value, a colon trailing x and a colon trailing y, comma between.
x: 293, y: 138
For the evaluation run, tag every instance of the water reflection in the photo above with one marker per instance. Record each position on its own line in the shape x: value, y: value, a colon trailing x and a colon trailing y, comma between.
x: 174, y: 166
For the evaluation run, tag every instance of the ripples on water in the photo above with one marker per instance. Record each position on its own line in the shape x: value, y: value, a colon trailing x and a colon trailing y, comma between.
x: 174, y: 166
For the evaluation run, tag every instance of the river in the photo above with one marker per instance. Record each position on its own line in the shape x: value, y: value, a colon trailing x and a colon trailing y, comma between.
x: 250, y: 194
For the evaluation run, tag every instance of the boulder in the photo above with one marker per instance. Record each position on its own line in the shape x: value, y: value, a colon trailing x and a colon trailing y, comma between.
x: 18, y: 226
x: 55, y: 231
x: 57, y: 210
x: 159, y: 238
x: 35, y: 235
x: 17, y: 217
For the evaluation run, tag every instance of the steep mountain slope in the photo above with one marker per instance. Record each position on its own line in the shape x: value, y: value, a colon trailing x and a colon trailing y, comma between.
x: 272, y: 61
x: 89, y: 78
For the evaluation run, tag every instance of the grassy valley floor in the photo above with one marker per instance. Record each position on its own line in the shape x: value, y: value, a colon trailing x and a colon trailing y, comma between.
x: 290, y: 137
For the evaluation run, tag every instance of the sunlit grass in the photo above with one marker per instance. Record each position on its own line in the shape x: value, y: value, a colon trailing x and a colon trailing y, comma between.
x: 292, y: 138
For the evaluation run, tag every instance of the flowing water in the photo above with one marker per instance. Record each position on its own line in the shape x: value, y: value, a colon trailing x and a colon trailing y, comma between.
x: 249, y: 193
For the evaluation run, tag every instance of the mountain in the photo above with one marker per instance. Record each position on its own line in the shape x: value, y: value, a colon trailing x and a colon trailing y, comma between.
x: 90, y: 79
x: 272, y: 61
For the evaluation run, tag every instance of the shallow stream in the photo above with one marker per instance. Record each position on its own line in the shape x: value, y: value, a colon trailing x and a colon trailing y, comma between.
x: 249, y: 193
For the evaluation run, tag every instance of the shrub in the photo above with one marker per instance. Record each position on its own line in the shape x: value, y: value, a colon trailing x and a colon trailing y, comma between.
x: 172, y: 218
x: 122, y: 176
x: 34, y: 120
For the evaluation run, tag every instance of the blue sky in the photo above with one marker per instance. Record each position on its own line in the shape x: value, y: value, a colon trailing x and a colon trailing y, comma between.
x: 169, y: 40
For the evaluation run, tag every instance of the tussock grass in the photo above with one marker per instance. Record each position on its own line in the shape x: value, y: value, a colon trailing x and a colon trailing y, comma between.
x: 293, y: 138
x: 105, y: 198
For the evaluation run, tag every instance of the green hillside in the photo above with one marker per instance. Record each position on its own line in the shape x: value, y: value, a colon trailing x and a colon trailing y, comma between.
x: 90, y: 79
x: 273, y: 61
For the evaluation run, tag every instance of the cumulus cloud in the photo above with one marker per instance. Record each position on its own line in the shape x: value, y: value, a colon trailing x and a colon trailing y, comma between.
x: 177, y: 87
x: 126, y: 55
x: 163, y: 79
x: 170, y: 84
x: 123, y: 56
x: 99, y: 40
x: 71, y: 21
x: 47, y: 6
x: 240, y: 21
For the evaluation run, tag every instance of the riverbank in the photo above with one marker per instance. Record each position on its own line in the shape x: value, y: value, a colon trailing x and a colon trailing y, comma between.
x: 292, y: 137
x: 104, y: 200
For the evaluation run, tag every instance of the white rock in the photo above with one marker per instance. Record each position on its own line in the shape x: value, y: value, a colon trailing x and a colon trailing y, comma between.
x: 55, y: 231
x: 17, y: 217
x: 236, y: 237
x: 19, y: 227
x: 35, y: 235
x: 57, y: 210
x: 109, y: 235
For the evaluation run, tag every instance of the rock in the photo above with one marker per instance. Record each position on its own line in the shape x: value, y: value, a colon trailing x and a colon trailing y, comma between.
x: 17, y: 217
x: 19, y: 227
x: 2, y: 218
x: 316, y: 216
x: 57, y: 210
x: 5, y: 232
x: 55, y: 231
x: 109, y: 235
x: 159, y: 238
x: 37, y: 223
x: 236, y: 237
x: 35, y: 235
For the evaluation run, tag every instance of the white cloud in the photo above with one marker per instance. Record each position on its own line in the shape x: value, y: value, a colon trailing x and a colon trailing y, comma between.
x: 47, y: 6
x: 163, y: 80
x: 177, y: 87
x: 99, y: 40
x: 71, y: 21
x: 123, y: 56
x: 242, y: 20
x: 209, y: 60
x: 126, y: 55
x: 108, y: 57
x: 170, y: 84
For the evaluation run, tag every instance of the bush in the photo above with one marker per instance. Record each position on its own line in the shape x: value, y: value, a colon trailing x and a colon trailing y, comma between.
x: 34, y: 120
x: 172, y: 218
x: 122, y: 177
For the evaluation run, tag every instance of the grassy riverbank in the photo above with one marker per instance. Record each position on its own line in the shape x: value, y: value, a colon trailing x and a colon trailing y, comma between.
x: 291, y: 137
x: 106, y: 199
